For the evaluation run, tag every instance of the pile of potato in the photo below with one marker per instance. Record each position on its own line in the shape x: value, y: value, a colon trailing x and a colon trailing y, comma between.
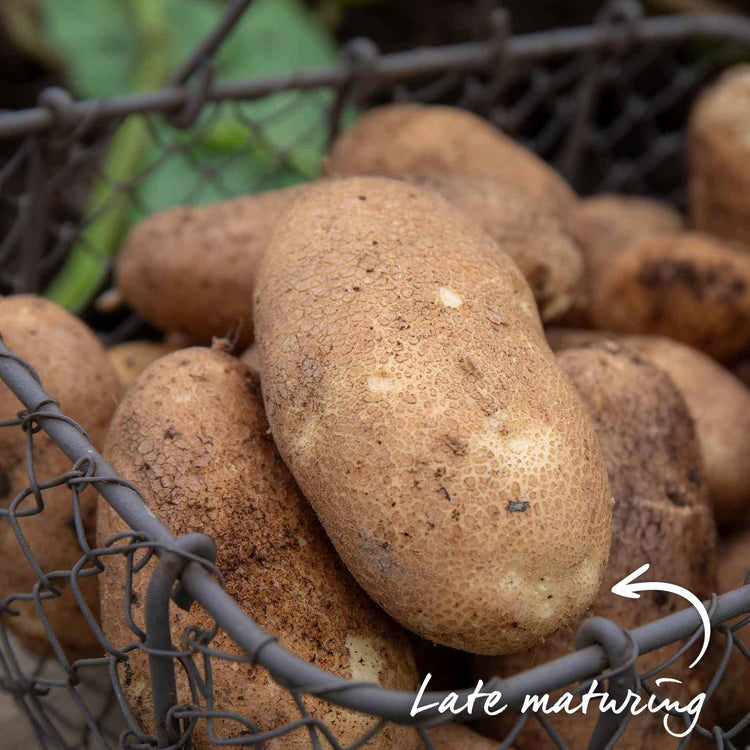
x: 473, y: 402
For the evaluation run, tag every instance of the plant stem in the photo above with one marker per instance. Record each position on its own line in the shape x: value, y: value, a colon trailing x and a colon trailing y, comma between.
x: 87, y: 265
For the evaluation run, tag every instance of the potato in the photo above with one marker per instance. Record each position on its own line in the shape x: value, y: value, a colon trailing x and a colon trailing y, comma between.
x: 718, y: 403
x: 131, y: 358
x: 720, y: 407
x: 192, y: 269
x: 687, y: 286
x: 661, y: 517
x: 75, y: 370
x: 411, y: 392
x: 604, y: 225
x: 719, y: 153
x: 191, y: 434
x: 428, y: 139
x: 524, y: 227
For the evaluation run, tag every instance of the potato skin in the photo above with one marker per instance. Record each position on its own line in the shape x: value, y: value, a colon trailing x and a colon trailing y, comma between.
x: 661, y: 516
x: 191, y: 434
x: 686, y: 286
x: 75, y: 370
x: 429, y: 139
x: 131, y: 358
x: 720, y: 407
x: 526, y: 228
x: 719, y: 152
x: 603, y: 225
x: 192, y: 269
x: 718, y: 403
x: 411, y: 393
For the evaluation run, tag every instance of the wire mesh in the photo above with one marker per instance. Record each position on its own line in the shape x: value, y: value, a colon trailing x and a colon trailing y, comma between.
x: 606, y: 104
x: 123, y: 664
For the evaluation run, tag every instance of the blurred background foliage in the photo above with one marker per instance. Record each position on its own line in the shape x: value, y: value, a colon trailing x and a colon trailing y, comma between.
x: 92, y: 46
x: 105, y: 48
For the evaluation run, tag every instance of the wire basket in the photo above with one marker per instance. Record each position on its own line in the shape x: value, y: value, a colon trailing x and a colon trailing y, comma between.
x: 607, y: 104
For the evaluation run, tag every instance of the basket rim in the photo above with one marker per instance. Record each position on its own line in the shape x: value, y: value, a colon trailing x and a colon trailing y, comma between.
x: 59, y: 110
x: 292, y: 671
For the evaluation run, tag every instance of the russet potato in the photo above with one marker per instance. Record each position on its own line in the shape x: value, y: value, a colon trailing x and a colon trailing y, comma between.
x: 603, y: 225
x: 411, y: 392
x: 719, y: 154
x: 687, y: 286
x: 131, y: 358
x: 191, y: 269
x: 719, y: 404
x: 191, y: 434
x: 525, y: 227
x: 661, y: 516
x: 75, y: 370
x: 251, y: 360
x: 429, y: 139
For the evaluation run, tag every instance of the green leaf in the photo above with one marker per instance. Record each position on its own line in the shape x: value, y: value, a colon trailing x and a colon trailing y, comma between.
x: 96, y: 41
x: 274, y: 37
x: 234, y: 148
x: 184, y: 170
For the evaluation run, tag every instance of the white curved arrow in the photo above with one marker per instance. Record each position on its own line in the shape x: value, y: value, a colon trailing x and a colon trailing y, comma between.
x: 627, y: 588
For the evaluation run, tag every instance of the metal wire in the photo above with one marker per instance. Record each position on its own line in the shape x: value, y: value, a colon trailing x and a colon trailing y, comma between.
x: 199, y: 579
x: 606, y: 103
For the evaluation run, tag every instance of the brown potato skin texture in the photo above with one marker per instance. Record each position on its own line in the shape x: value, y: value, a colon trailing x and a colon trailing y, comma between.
x: 429, y: 139
x: 526, y: 228
x: 719, y: 154
x: 131, y: 358
x: 719, y: 405
x: 192, y: 436
x: 75, y: 370
x: 603, y: 225
x: 192, y: 269
x: 686, y: 286
x: 412, y: 395
x: 661, y: 517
